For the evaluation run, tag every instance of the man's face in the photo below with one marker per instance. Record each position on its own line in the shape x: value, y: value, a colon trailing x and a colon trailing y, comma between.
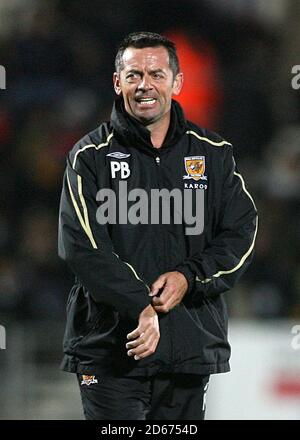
x: 147, y: 83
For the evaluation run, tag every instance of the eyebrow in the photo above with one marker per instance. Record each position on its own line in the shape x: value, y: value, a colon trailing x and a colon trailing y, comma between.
x: 157, y: 71
x: 133, y: 71
x: 140, y: 72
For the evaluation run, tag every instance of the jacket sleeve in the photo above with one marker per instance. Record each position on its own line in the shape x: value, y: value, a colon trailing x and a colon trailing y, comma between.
x: 226, y: 257
x: 86, y: 246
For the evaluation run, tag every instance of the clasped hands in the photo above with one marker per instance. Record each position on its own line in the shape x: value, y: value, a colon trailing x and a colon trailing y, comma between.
x: 144, y: 339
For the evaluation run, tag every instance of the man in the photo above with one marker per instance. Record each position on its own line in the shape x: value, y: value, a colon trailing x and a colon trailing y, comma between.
x: 146, y: 318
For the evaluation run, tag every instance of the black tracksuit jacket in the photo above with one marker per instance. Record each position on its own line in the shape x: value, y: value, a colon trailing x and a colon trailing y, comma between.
x: 115, y: 264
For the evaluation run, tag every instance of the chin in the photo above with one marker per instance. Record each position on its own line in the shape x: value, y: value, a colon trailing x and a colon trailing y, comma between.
x: 147, y: 120
x: 148, y: 116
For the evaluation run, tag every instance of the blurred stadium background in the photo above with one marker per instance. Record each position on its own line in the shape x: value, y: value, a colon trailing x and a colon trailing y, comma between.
x: 237, y: 57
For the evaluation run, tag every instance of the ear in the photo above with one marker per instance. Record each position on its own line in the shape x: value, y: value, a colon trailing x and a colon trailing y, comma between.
x: 117, y: 86
x: 178, y: 83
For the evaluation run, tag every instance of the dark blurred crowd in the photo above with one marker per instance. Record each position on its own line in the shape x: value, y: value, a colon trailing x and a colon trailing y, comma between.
x: 59, y: 59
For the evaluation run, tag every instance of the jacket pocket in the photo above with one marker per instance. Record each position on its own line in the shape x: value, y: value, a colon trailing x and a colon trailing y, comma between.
x: 199, y: 332
x: 83, y: 317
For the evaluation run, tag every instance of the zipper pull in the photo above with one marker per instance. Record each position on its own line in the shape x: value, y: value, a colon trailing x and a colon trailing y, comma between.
x: 157, y: 160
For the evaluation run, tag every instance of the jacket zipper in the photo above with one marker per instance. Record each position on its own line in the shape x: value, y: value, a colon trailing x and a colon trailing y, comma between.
x: 172, y: 356
x: 159, y: 182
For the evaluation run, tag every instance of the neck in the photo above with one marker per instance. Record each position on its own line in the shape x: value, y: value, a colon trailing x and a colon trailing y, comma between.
x: 159, y: 130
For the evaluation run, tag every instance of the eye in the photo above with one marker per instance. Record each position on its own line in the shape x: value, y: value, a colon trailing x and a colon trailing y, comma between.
x: 157, y: 75
x: 132, y: 76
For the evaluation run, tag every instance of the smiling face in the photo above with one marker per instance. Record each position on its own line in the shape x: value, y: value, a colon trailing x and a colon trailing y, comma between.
x: 147, y: 83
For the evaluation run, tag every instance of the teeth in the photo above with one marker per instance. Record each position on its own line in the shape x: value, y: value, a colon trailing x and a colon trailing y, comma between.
x: 147, y: 101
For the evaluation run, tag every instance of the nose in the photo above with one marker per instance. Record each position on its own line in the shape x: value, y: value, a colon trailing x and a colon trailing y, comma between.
x: 145, y: 83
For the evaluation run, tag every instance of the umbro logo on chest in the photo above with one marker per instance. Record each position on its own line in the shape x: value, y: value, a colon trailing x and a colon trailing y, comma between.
x: 119, y: 168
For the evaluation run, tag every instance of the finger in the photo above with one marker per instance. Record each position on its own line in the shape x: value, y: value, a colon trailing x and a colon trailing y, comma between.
x: 138, y: 351
x: 136, y: 333
x: 140, y: 340
x: 148, y: 352
x: 132, y: 346
x: 161, y: 309
x: 137, y: 357
x: 166, y: 295
x: 157, y: 285
x: 145, y: 354
x: 147, y: 347
x: 166, y: 307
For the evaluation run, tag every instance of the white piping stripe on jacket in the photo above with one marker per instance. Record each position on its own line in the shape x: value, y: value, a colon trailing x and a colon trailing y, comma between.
x: 84, y: 223
x: 201, y: 138
x: 85, y: 211
x: 246, y: 255
x: 104, y: 144
x: 135, y: 274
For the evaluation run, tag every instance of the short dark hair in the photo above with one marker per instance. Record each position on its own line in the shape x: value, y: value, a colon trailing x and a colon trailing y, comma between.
x: 139, y: 40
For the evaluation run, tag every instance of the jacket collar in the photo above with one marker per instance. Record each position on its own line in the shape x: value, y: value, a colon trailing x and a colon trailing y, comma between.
x: 131, y: 132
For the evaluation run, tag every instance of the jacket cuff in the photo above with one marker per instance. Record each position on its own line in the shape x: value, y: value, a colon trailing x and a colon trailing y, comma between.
x: 189, y: 275
x: 133, y: 310
x: 140, y: 307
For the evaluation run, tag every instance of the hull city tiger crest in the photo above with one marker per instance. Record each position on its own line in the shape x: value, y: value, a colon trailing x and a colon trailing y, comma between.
x: 195, y: 167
